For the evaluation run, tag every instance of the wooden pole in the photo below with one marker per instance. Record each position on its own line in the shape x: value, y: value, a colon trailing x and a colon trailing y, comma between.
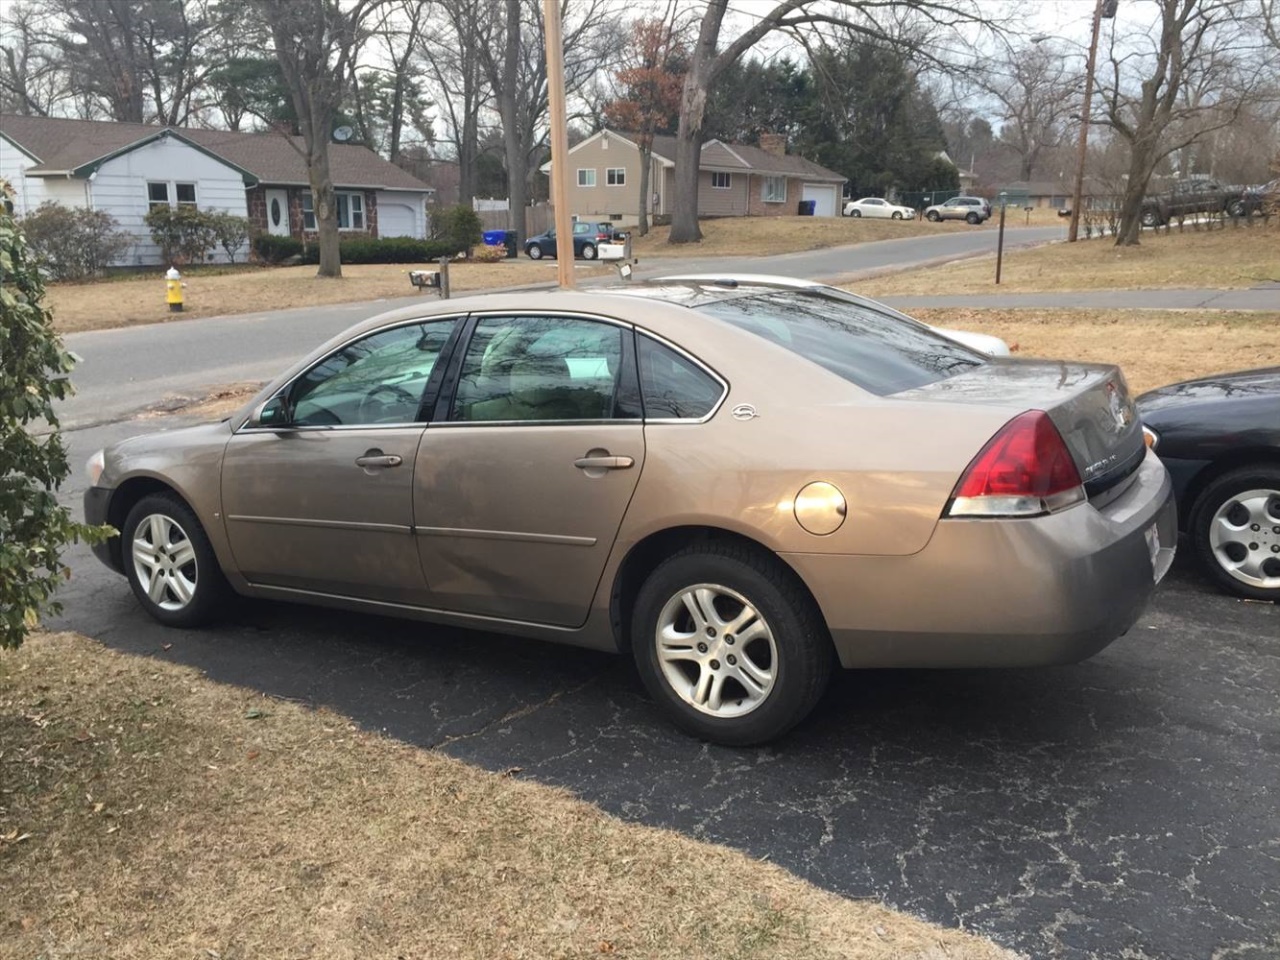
x: 1077, y: 194
x: 559, y: 143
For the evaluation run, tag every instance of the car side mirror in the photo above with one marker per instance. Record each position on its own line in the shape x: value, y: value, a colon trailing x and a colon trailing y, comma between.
x: 271, y: 413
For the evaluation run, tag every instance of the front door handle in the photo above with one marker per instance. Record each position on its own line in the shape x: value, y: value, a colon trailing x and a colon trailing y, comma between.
x: 604, y: 463
x: 376, y: 458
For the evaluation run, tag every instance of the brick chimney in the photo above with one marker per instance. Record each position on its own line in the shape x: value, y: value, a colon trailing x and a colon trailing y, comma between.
x: 774, y: 143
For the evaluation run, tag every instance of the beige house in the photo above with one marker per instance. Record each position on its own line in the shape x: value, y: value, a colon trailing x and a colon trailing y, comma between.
x: 735, y: 180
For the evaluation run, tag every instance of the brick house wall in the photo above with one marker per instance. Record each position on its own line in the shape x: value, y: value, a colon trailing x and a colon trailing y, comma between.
x: 256, y: 199
x: 756, y: 206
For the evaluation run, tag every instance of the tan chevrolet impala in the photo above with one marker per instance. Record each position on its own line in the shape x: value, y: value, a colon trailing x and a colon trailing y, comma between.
x: 740, y: 482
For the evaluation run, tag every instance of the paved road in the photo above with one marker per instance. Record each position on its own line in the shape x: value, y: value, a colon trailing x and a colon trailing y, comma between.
x: 126, y: 369
x: 1262, y: 297
x: 1120, y: 808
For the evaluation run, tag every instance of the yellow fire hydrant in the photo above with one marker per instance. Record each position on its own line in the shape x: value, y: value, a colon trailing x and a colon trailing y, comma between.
x: 173, y: 285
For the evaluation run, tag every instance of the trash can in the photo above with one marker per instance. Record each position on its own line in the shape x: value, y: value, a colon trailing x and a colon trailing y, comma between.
x: 808, y: 207
x: 509, y: 241
x: 493, y: 238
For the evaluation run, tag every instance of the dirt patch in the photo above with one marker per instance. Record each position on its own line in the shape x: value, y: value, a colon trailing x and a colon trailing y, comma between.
x: 1153, y: 347
x: 215, y: 405
x: 148, y: 812
x: 140, y: 299
x: 1218, y: 259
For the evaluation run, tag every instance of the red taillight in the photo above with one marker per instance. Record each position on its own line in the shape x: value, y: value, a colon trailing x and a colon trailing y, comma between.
x: 1024, y: 470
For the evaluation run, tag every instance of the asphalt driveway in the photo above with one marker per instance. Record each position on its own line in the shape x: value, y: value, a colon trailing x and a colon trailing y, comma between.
x: 1121, y: 808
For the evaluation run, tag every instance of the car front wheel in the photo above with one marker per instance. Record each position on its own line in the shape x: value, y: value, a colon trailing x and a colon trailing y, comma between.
x: 1150, y: 218
x: 897, y: 214
x: 729, y: 644
x: 170, y: 564
x: 1236, y: 208
x: 932, y: 216
x: 855, y: 213
x: 1235, y: 531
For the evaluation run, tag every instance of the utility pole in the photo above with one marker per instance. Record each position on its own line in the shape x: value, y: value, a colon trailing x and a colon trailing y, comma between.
x: 1102, y: 9
x: 559, y: 143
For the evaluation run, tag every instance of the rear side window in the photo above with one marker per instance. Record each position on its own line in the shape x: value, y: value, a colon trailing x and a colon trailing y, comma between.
x: 878, y: 352
x: 673, y: 386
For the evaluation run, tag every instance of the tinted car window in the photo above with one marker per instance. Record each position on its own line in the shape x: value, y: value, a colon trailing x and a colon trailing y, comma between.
x: 539, y: 368
x: 878, y: 352
x: 377, y: 379
x: 673, y: 386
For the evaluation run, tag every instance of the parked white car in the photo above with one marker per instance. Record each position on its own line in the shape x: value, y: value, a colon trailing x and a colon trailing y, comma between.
x: 878, y: 207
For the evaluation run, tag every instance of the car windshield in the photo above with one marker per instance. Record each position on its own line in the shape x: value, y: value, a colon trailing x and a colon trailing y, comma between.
x: 878, y: 352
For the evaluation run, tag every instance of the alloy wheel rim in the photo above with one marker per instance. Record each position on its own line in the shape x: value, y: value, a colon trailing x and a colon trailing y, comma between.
x: 164, y: 561
x: 1244, y: 535
x: 716, y: 651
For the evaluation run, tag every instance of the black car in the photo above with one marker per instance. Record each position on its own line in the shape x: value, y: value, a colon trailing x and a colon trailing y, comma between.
x: 1255, y: 199
x: 586, y: 237
x: 1219, y: 437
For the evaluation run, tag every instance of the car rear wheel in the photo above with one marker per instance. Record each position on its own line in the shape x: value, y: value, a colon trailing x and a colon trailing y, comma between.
x: 729, y: 644
x: 535, y: 252
x: 1235, y: 531
x: 932, y: 216
x: 1236, y: 208
x: 170, y: 564
x: 897, y: 214
x: 1150, y: 218
x: 972, y: 218
x: 588, y: 251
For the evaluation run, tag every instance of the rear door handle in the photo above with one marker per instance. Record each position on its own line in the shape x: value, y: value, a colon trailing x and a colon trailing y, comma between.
x: 376, y: 458
x: 604, y: 463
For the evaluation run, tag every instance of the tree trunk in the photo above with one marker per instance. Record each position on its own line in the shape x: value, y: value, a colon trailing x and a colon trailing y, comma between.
x: 511, y: 133
x: 1141, y: 163
x: 646, y: 162
x: 693, y: 108
x: 468, y: 151
x: 326, y: 209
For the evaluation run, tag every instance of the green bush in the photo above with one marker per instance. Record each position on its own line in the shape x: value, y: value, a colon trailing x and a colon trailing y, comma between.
x: 183, y: 234
x: 34, y: 527
x: 230, y: 232
x: 458, y: 227
x: 383, y: 250
x: 272, y: 249
x: 73, y: 243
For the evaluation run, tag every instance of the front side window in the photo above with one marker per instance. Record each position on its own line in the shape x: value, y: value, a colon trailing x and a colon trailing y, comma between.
x: 876, y: 351
x: 672, y: 385
x: 378, y: 379
x: 721, y: 181
x: 775, y: 190
x: 186, y: 193
x: 525, y: 369
x: 616, y: 176
x: 308, y: 212
x: 350, y: 207
x: 587, y: 177
x: 157, y: 194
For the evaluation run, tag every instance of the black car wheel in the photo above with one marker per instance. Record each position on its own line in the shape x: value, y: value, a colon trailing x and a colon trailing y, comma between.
x: 972, y: 218
x: 1237, y: 208
x: 729, y: 644
x: 1150, y: 218
x: 534, y: 251
x: 588, y: 251
x: 170, y: 563
x: 897, y: 214
x: 1235, y: 531
x: 856, y: 213
x: 932, y: 216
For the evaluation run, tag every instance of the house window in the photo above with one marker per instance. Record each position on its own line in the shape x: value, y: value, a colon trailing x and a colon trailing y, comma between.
x: 587, y: 177
x: 350, y: 210
x: 775, y: 190
x: 186, y: 193
x: 157, y: 194
x: 616, y: 176
x: 721, y: 181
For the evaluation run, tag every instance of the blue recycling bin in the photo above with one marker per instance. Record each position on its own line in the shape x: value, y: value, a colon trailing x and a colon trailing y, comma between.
x: 494, y: 238
x: 808, y: 208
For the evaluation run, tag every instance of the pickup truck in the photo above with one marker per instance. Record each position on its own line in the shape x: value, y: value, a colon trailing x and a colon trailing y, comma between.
x: 1188, y: 198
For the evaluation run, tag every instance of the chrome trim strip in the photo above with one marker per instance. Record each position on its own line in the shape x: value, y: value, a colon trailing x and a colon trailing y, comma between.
x: 535, y: 423
x: 506, y: 535
x: 315, y: 427
x: 334, y: 524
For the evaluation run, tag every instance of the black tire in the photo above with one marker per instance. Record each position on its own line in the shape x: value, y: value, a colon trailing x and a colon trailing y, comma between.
x: 210, y: 592
x: 1150, y: 218
x: 932, y: 216
x: 534, y: 251
x: 972, y: 218
x: 1218, y: 494
x: 1236, y: 208
x: 805, y: 655
x: 897, y: 215
x: 588, y: 251
x: 856, y: 213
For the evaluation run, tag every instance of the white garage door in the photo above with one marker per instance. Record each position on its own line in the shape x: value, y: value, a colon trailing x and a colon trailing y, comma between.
x: 396, y: 220
x: 824, y: 196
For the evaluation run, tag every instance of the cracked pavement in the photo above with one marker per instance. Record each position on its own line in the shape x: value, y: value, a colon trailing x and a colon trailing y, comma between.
x: 1125, y: 807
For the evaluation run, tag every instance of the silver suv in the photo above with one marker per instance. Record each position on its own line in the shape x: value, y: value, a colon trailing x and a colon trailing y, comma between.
x: 969, y: 209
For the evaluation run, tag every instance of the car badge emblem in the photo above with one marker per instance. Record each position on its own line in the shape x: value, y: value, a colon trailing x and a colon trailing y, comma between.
x: 744, y: 411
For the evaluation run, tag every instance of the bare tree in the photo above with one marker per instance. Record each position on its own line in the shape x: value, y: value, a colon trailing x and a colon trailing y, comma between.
x: 1191, y: 75
x: 316, y: 41
x: 33, y: 77
x: 1036, y: 88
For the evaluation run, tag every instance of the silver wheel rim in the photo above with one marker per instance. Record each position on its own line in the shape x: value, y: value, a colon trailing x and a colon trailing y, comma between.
x: 588, y: 252
x: 716, y: 651
x: 1244, y: 535
x: 164, y: 562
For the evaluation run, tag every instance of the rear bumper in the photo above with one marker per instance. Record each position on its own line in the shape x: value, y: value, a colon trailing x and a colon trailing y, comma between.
x: 1003, y: 593
x: 97, y: 504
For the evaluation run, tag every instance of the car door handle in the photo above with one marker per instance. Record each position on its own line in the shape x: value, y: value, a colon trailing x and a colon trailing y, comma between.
x: 376, y: 458
x: 604, y: 463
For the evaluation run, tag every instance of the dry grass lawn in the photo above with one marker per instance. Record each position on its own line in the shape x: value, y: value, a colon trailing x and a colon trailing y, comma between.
x: 1222, y: 258
x: 1154, y: 347
x: 125, y: 302
x: 147, y: 812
